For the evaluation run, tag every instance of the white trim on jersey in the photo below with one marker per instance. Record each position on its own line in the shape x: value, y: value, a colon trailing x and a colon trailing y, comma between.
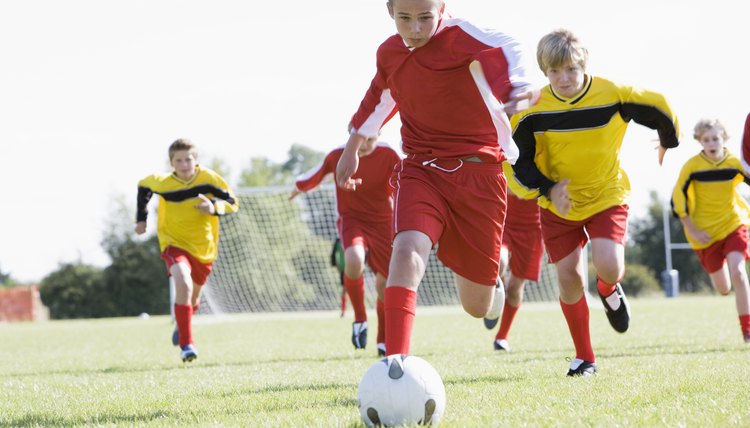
x: 371, y: 126
x: 497, y: 113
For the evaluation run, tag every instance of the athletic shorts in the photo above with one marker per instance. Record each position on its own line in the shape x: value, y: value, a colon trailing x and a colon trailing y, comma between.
x: 460, y: 206
x: 522, y: 237
x: 562, y: 236
x: 198, y: 271
x: 713, y: 257
x: 375, y: 236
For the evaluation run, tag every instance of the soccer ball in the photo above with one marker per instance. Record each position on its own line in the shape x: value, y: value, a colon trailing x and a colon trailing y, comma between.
x: 401, y: 390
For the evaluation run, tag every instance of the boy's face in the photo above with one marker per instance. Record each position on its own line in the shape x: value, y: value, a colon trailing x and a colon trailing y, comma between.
x: 184, y: 163
x: 713, y: 144
x: 416, y: 20
x: 367, y: 147
x: 566, y: 80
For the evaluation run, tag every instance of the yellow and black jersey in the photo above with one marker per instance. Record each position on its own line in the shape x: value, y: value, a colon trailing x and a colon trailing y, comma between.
x: 179, y: 222
x: 580, y: 139
x: 706, y: 191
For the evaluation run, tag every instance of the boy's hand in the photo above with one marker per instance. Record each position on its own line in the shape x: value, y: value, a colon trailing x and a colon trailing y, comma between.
x: 348, y: 164
x: 560, y: 197
x: 294, y: 194
x: 521, y: 99
x: 205, y: 205
x: 662, y: 152
x: 699, y: 235
x: 140, y: 228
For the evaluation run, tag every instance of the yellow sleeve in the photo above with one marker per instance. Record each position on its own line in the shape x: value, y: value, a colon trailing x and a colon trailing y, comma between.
x: 680, y: 192
x: 515, y: 187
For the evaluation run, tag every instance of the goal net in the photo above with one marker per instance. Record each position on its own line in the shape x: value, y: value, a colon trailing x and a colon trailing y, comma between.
x: 275, y: 256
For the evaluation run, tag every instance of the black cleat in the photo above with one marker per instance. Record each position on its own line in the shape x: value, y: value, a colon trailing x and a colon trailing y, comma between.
x: 359, y: 334
x: 579, y: 367
x: 175, y: 337
x: 381, y: 349
x: 619, y: 319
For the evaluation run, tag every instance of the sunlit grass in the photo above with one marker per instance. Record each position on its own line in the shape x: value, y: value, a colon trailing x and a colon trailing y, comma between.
x: 682, y: 364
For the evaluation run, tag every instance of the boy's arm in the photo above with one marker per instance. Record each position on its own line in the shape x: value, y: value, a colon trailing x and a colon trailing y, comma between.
x: 141, y: 211
x: 746, y: 146
x: 224, y: 201
x: 699, y: 235
x: 526, y: 171
x: 680, y: 207
x: 651, y: 109
x: 314, y: 176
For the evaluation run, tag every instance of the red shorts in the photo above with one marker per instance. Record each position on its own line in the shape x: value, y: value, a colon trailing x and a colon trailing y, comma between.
x: 526, y: 251
x: 562, y: 236
x: 712, y: 258
x: 375, y: 236
x: 198, y: 271
x: 460, y: 205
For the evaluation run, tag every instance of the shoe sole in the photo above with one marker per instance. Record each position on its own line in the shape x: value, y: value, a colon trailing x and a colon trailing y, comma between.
x: 189, y: 358
x: 490, y: 324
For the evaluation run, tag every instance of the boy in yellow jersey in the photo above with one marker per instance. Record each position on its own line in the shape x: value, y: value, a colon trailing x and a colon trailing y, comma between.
x: 569, y: 153
x: 715, y: 216
x: 190, y: 200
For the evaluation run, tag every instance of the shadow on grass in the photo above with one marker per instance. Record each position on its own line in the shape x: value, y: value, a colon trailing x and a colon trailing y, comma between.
x: 40, y: 419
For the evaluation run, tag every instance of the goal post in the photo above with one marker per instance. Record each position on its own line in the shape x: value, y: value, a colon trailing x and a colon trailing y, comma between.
x: 275, y: 256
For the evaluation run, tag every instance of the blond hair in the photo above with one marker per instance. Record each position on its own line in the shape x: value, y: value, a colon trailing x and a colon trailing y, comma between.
x: 182, y: 144
x: 559, y: 48
x: 704, y: 125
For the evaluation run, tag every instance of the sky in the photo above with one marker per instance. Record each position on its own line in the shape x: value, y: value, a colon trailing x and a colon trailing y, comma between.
x: 92, y: 92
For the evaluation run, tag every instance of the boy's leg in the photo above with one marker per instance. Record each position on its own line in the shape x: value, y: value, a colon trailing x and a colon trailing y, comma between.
x: 513, y: 300
x: 576, y: 311
x: 183, y: 308
x: 736, y: 264
x: 354, y: 283
x: 408, y: 261
x: 608, y: 257
x: 380, y: 311
x: 720, y: 280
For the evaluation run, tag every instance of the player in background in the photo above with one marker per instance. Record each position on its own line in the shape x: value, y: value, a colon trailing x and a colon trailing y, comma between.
x: 450, y: 189
x: 523, y: 251
x: 715, y: 216
x: 191, y: 199
x: 569, y: 146
x: 365, y: 227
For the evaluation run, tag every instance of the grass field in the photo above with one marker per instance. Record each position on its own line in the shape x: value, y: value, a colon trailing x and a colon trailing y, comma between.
x: 683, y: 363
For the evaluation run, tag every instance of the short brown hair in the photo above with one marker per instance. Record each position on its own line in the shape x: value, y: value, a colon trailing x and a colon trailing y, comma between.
x: 182, y: 144
x: 704, y: 125
x: 558, y: 48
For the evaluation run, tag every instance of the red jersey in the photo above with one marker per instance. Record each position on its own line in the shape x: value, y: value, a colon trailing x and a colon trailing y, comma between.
x: 373, y: 198
x: 442, y: 110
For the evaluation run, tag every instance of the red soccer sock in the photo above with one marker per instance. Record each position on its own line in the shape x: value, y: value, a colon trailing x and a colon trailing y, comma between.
x: 379, y: 307
x: 745, y: 325
x: 400, y: 307
x: 604, y: 288
x: 577, y: 316
x: 509, y: 313
x: 183, y: 314
x: 356, y: 290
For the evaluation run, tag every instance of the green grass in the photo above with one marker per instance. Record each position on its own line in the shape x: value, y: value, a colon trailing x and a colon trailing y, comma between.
x: 683, y: 363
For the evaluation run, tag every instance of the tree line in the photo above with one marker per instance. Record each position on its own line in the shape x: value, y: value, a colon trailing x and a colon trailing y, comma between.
x: 135, y: 280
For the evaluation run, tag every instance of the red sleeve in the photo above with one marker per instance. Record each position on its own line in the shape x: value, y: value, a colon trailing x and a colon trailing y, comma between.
x: 495, y: 67
x: 312, y: 178
x: 377, y: 106
x: 746, y: 145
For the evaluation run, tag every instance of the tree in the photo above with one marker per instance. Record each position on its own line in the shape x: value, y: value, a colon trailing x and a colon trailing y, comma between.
x: 647, y: 247
x: 6, y: 280
x: 75, y: 290
x: 263, y: 172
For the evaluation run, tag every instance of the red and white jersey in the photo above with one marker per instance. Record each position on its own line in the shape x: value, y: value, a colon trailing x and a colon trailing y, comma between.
x: 373, y: 198
x: 746, y: 146
x: 442, y: 110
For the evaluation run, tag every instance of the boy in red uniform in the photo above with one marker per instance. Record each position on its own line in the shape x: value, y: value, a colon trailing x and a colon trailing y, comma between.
x: 450, y: 189
x: 365, y: 227
x: 715, y: 215
x: 190, y: 200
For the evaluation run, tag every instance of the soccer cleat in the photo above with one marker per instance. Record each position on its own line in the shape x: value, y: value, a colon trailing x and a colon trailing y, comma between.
x: 188, y: 353
x: 493, y: 316
x: 175, y: 337
x: 579, y: 367
x: 359, y: 334
x: 619, y: 318
x: 381, y: 349
x: 501, y: 345
x: 747, y: 338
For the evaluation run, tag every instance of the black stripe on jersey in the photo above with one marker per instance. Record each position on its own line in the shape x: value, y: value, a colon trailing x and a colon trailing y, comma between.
x: 569, y: 120
x: 583, y: 94
x: 192, y: 192
x: 144, y: 195
x: 654, y: 118
x: 710, y: 176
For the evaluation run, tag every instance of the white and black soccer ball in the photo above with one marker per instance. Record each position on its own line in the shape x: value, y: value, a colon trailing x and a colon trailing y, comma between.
x: 401, y: 390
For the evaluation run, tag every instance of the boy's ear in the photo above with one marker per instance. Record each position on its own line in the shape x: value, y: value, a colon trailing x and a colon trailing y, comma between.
x: 390, y: 8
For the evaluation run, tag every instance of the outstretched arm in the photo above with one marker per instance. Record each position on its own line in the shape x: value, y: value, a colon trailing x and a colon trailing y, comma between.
x: 700, y: 235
